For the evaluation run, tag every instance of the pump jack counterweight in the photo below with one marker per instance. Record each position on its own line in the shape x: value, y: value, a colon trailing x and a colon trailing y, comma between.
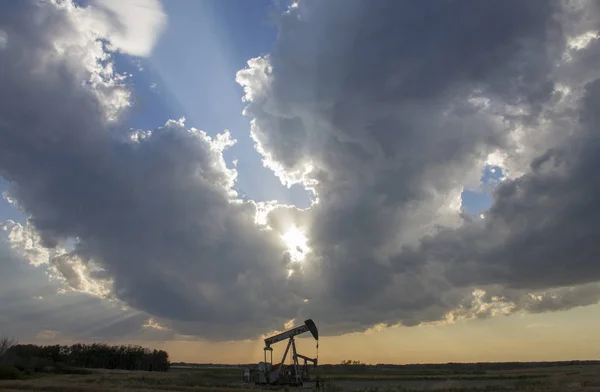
x: 280, y: 373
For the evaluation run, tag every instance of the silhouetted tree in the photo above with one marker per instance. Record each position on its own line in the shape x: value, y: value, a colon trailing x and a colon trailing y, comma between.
x: 5, y: 344
x: 96, y: 355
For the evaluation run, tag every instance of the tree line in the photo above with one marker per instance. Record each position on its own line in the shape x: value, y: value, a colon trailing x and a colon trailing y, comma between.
x: 351, y: 362
x: 96, y: 355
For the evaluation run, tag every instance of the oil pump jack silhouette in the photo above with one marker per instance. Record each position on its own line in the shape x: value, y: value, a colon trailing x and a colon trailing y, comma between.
x: 280, y: 373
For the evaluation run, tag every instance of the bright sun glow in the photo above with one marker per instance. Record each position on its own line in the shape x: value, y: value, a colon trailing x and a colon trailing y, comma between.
x: 296, y: 242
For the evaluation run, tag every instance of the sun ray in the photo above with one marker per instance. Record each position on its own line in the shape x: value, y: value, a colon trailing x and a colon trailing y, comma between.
x: 297, y: 244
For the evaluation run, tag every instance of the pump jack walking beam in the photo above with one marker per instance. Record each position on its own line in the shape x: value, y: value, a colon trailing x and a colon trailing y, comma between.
x: 308, y: 326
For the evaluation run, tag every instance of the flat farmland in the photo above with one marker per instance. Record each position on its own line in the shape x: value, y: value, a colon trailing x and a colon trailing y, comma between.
x: 584, y: 378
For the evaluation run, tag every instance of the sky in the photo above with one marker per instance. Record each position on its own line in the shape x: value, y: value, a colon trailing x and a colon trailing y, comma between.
x: 197, y: 175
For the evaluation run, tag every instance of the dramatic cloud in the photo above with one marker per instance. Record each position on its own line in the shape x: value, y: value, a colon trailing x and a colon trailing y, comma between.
x: 151, y: 215
x: 35, y: 304
x: 541, y: 230
x: 384, y: 110
x: 388, y: 109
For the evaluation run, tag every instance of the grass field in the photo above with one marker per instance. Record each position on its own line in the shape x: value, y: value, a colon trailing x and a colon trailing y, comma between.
x: 584, y: 378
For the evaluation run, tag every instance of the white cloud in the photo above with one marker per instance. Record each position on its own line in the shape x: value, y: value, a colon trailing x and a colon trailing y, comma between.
x: 132, y: 26
x: 153, y: 324
x: 289, y: 324
x: 82, y: 276
x: 47, y: 334
x: 26, y: 241
x: 61, y: 265
x: 582, y: 41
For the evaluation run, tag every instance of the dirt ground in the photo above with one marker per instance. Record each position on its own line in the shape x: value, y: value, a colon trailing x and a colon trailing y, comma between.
x: 555, y: 379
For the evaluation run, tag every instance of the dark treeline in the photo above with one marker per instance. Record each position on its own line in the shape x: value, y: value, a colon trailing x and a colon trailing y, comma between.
x: 97, y: 355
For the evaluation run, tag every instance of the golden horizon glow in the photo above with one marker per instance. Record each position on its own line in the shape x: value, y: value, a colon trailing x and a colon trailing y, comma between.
x: 553, y: 336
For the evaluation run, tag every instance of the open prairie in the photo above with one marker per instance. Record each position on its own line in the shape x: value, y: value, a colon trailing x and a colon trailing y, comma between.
x: 584, y: 378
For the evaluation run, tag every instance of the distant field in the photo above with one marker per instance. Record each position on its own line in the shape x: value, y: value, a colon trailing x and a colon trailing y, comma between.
x: 583, y: 378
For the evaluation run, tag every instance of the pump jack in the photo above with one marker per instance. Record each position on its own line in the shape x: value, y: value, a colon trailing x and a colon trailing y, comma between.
x: 279, y: 374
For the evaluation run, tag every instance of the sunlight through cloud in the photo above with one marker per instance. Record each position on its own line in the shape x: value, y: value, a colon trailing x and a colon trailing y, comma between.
x: 296, y: 242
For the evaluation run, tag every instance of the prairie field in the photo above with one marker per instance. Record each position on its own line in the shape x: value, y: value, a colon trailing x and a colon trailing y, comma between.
x: 584, y: 378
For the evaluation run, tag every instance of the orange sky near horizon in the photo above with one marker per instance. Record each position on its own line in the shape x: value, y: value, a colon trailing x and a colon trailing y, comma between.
x: 569, y: 335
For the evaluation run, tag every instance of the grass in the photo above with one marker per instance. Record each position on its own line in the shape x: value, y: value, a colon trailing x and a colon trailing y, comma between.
x: 405, y: 377
x: 559, y: 379
x: 124, y: 381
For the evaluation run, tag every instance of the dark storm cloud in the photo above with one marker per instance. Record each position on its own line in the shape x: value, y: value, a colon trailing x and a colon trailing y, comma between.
x: 543, y: 227
x: 397, y: 105
x: 363, y: 66
x: 156, y: 213
x: 385, y: 109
